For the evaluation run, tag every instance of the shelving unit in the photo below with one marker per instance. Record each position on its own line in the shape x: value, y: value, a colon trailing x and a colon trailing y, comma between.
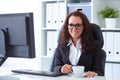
x: 111, y: 46
x: 53, y: 13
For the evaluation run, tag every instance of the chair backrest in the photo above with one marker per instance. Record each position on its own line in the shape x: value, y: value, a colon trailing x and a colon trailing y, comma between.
x: 98, y: 37
x: 97, y: 34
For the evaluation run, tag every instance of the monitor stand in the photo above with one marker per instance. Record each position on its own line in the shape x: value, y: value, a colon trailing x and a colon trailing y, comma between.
x: 3, y: 56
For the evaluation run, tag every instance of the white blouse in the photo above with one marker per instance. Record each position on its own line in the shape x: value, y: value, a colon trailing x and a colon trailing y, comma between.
x: 75, y: 52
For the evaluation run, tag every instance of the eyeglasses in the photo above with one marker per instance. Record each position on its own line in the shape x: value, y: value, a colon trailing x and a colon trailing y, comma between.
x: 77, y: 26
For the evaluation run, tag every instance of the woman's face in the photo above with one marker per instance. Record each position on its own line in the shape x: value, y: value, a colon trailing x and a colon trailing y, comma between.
x: 75, y: 27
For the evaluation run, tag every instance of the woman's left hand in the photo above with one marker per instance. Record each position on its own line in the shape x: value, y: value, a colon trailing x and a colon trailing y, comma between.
x: 91, y: 74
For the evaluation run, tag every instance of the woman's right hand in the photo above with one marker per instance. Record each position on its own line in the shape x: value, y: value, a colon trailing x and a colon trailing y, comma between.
x: 66, y: 69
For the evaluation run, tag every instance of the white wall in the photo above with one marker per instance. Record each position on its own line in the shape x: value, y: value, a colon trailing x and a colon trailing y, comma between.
x: 19, y: 6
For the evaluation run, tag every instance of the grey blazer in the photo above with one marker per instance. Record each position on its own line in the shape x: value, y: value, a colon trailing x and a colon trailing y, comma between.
x: 94, y: 61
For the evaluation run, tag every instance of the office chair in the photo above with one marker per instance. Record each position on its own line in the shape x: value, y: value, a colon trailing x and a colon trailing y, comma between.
x: 97, y: 34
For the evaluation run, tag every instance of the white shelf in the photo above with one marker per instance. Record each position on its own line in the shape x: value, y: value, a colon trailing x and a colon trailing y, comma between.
x: 113, y: 61
x: 79, y: 4
x: 45, y: 56
x: 110, y: 28
x: 50, y: 29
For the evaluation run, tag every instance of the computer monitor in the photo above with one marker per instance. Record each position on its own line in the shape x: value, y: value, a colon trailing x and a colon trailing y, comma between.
x: 16, y: 36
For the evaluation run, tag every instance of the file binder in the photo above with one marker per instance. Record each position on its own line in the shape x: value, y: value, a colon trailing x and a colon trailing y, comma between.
x: 51, y: 42
x: 55, y: 15
x: 49, y: 16
x: 109, y: 45
x: 116, y: 70
x: 116, y: 46
x: 62, y: 13
x: 108, y: 69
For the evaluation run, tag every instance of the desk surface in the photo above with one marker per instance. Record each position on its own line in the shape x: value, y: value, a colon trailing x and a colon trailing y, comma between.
x: 8, y: 73
x: 34, y: 77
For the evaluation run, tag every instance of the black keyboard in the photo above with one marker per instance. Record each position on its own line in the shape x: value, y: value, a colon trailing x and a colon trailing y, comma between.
x: 33, y: 72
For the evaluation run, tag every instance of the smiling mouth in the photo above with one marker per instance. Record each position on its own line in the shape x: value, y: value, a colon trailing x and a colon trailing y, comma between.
x: 75, y: 33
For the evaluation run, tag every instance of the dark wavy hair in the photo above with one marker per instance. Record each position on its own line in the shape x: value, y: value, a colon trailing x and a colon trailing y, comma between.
x: 86, y: 36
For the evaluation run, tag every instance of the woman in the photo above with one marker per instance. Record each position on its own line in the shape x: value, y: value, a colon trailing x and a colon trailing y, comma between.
x: 77, y: 47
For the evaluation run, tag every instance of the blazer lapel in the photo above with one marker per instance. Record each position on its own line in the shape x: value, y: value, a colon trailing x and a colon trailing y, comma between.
x: 81, y: 59
x: 66, y: 56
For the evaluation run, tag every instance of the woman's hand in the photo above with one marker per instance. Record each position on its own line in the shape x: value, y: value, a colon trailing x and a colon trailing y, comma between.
x: 91, y: 74
x: 66, y: 69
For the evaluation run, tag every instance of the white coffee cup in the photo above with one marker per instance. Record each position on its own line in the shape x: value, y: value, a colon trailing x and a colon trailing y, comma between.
x: 78, y: 71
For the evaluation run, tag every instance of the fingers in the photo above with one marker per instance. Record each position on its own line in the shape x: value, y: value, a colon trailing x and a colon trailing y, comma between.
x: 91, y: 74
x: 66, y: 69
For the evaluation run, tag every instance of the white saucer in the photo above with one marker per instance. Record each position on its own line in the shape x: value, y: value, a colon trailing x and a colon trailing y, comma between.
x: 72, y: 75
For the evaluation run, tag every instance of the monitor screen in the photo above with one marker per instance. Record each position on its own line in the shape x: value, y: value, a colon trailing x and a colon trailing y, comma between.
x: 17, y: 35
